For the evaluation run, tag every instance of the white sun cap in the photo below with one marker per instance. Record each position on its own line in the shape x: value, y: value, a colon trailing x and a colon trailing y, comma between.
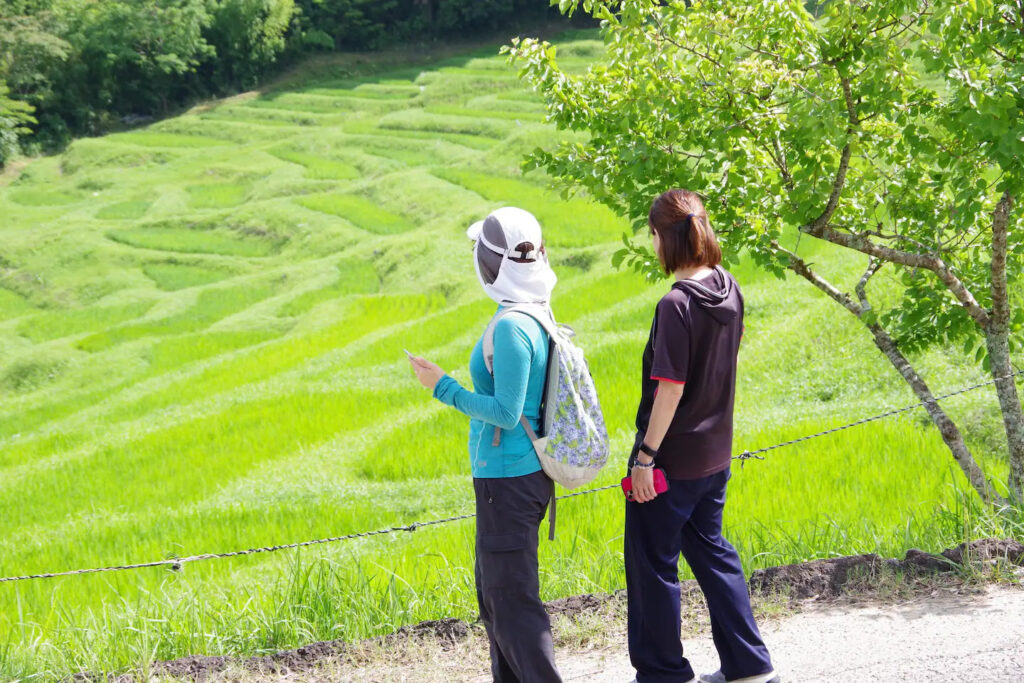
x: 516, y: 225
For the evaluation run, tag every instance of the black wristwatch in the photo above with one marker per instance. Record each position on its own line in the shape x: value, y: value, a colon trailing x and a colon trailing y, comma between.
x: 644, y: 448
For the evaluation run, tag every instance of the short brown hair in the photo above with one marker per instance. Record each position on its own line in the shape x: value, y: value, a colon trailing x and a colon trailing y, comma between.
x: 687, y: 240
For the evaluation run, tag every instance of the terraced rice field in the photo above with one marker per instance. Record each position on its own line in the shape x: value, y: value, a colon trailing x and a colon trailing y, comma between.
x: 201, y: 334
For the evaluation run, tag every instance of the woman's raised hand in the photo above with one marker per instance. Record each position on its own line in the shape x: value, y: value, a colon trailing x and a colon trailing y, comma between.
x: 429, y: 374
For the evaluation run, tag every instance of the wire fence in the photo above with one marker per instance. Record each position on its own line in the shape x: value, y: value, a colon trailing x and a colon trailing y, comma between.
x: 176, y: 563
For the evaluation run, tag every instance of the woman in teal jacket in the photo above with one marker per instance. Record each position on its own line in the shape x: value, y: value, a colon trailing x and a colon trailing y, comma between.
x: 512, y: 492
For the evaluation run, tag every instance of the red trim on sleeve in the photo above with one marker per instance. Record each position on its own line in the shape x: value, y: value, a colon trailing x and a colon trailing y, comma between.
x: 666, y: 379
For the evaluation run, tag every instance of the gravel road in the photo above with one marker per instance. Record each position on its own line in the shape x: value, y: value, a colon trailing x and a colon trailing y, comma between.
x: 946, y: 636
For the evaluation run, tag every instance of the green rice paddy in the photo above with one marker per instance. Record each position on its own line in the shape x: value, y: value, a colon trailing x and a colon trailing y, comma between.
x: 202, y: 327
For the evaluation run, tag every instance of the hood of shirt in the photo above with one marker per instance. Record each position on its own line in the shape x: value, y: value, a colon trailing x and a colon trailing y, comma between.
x: 717, y: 301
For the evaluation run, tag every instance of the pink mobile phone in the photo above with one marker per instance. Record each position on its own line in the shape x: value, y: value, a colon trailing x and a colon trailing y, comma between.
x: 660, y: 484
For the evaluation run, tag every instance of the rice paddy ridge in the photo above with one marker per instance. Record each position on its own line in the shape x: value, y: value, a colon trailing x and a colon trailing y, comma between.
x: 179, y: 303
x: 348, y: 446
x: 210, y: 405
x: 276, y: 387
x: 133, y: 430
x: 329, y: 361
x: 362, y: 195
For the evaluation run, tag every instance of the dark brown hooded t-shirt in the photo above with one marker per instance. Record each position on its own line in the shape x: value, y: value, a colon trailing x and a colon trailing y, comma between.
x: 695, y: 338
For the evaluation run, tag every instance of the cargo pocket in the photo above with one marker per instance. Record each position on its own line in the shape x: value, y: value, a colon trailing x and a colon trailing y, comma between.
x: 506, y: 561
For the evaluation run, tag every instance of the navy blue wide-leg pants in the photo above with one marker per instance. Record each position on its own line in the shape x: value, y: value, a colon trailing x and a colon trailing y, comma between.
x: 686, y: 519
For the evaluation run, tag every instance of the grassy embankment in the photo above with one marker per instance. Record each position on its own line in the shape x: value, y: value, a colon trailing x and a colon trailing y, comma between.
x: 201, y: 326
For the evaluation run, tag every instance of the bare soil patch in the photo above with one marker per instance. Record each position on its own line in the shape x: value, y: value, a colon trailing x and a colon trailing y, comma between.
x: 828, y: 578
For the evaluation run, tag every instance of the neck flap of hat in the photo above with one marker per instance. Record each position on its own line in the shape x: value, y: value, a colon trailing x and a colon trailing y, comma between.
x: 508, y: 281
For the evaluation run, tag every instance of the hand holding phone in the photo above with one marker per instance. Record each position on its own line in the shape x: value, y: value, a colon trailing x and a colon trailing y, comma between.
x: 429, y: 374
x: 660, y: 484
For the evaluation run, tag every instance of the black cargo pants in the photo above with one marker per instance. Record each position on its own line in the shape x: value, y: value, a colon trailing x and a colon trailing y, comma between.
x: 508, y: 515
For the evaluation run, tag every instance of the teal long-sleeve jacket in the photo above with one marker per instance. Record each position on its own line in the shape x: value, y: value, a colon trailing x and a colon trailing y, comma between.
x: 520, y: 370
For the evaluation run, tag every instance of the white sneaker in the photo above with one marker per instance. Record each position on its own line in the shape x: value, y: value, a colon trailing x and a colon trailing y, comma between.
x: 719, y: 677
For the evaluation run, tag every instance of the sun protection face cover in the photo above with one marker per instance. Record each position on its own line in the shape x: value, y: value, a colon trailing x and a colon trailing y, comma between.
x: 504, y: 280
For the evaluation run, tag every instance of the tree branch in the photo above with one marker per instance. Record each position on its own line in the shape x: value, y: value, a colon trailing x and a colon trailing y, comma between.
x: 851, y: 108
x: 844, y: 162
x: 909, y: 259
x: 665, y: 37
x: 800, y: 267
x: 874, y: 265
x: 895, y: 236
x: 1004, y: 57
x: 780, y: 160
x: 821, y: 229
x: 821, y: 221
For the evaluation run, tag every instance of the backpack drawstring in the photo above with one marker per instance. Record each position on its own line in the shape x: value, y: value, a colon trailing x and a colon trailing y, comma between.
x: 551, y: 517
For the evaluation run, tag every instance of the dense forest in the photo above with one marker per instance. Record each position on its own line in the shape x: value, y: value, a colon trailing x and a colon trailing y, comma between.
x: 84, y: 67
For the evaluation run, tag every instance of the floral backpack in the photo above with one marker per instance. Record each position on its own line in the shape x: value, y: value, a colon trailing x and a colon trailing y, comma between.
x: 573, y: 444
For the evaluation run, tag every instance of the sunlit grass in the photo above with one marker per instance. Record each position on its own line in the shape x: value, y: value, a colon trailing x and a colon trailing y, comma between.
x: 157, y: 139
x: 65, y: 323
x: 35, y: 197
x: 172, y: 276
x: 318, y: 167
x: 575, y: 222
x: 188, y: 240
x: 360, y: 212
x: 405, y: 129
x: 211, y: 306
x: 12, y: 304
x: 354, y: 277
x: 124, y: 210
x: 415, y: 120
x: 216, y: 196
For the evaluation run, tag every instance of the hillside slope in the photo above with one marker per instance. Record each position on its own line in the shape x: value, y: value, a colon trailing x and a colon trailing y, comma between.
x: 201, y: 334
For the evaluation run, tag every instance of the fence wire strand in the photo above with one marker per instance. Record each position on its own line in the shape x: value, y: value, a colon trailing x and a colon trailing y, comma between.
x: 176, y: 563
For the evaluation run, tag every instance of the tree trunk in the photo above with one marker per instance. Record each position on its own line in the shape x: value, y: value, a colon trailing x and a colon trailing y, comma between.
x: 1009, y: 404
x: 950, y: 433
x: 997, y: 339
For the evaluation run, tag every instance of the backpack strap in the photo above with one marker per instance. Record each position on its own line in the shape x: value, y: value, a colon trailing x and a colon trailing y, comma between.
x: 539, y: 312
x: 544, y: 316
x: 551, y: 514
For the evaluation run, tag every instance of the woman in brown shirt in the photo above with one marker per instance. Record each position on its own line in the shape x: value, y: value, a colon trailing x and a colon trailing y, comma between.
x: 684, y: 427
